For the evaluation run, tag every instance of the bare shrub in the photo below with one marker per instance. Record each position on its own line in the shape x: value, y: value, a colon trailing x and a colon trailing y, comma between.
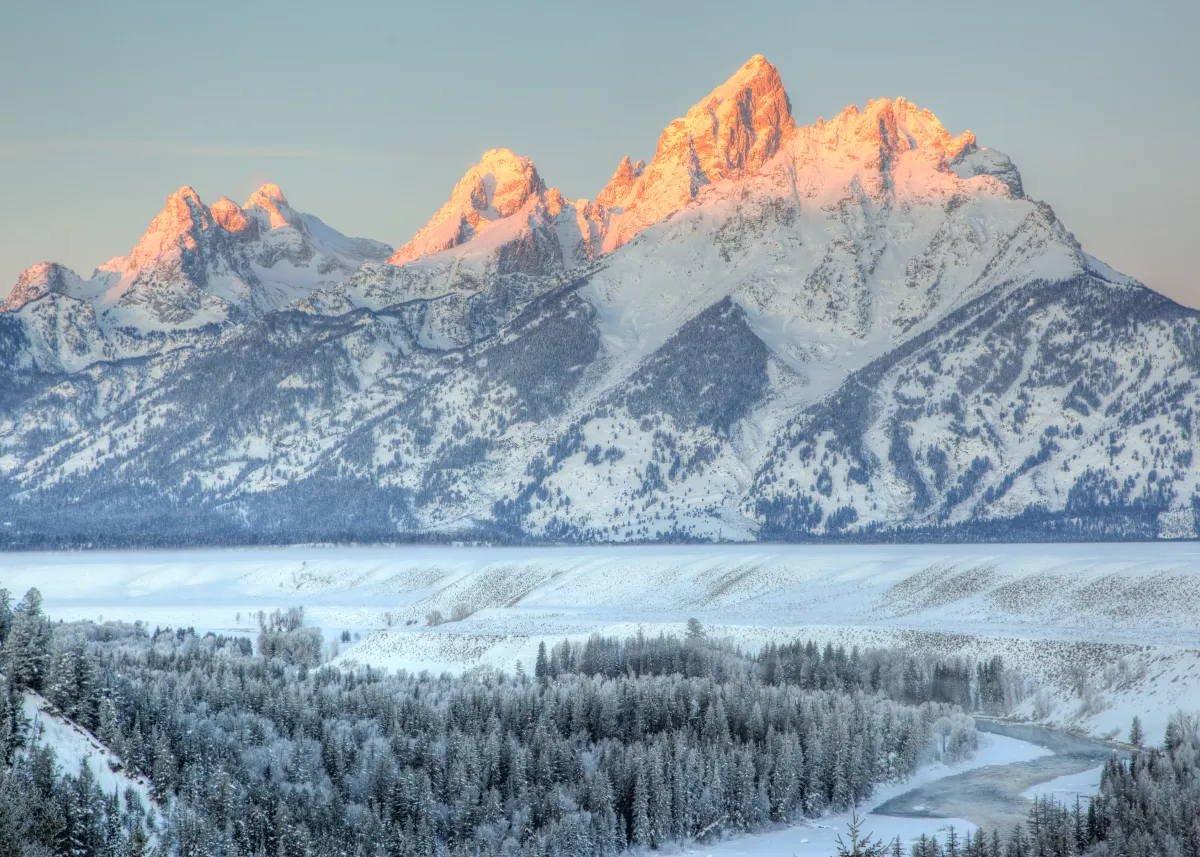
x: 1043, y: 704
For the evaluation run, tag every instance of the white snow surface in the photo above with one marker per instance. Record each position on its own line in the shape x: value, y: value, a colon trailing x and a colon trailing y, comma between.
x: 72, y: 745
x: 1103, y: 632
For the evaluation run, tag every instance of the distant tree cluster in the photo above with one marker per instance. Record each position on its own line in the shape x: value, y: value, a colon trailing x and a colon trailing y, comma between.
x: 985, y: 686
x: 284, y: 636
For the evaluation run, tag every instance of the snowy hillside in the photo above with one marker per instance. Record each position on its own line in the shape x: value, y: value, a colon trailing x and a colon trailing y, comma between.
x: 73, y: 745
x: 860, y: 328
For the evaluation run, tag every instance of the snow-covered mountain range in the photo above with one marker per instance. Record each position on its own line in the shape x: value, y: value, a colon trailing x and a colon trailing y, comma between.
x: 859, y: 328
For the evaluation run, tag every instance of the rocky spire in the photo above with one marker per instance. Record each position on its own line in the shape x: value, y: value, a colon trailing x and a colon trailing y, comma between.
x: 178, y: 226
x: 38, y: 281
x: 621, y: 183
x: 734, y: 130
x: 230, y: 216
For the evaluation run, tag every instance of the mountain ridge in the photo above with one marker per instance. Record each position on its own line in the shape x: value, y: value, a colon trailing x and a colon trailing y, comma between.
x: 860, y: 328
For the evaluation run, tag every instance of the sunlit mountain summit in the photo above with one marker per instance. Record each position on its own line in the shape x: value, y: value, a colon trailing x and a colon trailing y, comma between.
x: 858, y: 328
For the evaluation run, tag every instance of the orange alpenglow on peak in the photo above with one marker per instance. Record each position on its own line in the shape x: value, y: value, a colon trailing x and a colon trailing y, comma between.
x: 182, y: 220
x: 500, y: 185
x: 182, y: 207
x: 621, y: 182
x: 183, y: 213
x: 742, y: 123
x: 268, y: 192
x: 732, y: 133
x: 229, y: 215
x: 270, y: 199
x: 896, y: 123
x: 736, y: 129
x: 185, y: 194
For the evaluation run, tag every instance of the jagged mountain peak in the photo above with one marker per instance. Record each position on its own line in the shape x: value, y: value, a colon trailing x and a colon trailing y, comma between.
x: 194, y: 265
x: 186, y: 195
x: 621, y: 182
x: 732, y: 131
x: 182, y: 207
x: 178, y: 226
x: 230, y: 216
x: 502, y: 180
x: 737, y: 127
x: 897, y: 124
x: 37, y: 281
x: 753, y: 99
x: 268, y: 193
x: 500, y: 185
x: 270, y: 200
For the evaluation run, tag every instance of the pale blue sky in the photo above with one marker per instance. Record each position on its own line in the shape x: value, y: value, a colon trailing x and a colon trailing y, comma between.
x: 366, y: 114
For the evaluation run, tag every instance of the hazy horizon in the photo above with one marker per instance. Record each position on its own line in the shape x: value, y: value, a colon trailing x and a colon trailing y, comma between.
x: 367, y: 116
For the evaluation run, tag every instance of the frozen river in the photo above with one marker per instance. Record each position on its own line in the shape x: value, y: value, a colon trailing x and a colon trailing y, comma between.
x: 997, y: 796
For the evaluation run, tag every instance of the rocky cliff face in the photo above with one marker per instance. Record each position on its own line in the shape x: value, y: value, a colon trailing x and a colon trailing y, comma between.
x: 858, y: 328
x: 732, y: 132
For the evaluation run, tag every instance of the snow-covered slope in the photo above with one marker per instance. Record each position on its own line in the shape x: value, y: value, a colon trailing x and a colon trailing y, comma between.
x: 73, y: 746
x: 850, y: 328
x: 1057, y: 406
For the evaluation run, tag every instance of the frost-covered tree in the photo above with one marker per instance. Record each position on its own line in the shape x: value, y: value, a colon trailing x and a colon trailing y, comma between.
x: 26, y: 648
x: 1136, y: 734
x: 860, y: 844
x: 6, y: 614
